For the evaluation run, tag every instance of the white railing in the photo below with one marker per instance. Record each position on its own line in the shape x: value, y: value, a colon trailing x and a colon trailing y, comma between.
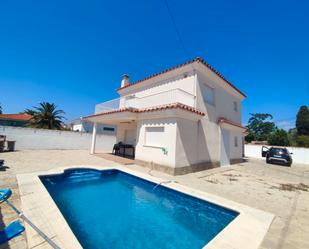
x: 149, y: 100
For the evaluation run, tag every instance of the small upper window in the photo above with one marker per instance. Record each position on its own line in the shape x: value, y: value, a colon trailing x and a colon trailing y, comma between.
x: 236, y: 141
x: 235, y: 106
x: 208, y: 94
x: 108, y: 129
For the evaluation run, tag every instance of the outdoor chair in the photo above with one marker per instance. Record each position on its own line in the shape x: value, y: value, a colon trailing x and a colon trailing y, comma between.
x: 116, y: 148
x: 15, y: 228
x: 2, y: 145
x: 11, y: 231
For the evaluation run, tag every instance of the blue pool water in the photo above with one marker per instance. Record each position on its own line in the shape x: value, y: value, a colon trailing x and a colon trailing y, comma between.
x: 112, y: 209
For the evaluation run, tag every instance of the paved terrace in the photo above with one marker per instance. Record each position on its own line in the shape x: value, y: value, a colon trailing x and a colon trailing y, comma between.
x: 279, y: 190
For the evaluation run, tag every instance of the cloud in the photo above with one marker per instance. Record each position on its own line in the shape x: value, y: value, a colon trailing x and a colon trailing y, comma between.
x: 285, y: 124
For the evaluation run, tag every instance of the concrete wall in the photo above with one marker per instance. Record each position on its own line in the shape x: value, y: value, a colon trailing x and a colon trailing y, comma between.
x: 186, y: 143
x: 29, y: 138
x: 223, y: 106
x: 176, y: 88
x: 209, y: 134
x: 163, y: 154
x: 88, y: 127
x: 300, y: 155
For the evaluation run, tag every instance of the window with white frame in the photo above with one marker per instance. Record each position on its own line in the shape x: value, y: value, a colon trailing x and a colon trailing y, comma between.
x: 208, y: 94
x: 235, y: 106
x: 236, y: 141
x: 154, y: 136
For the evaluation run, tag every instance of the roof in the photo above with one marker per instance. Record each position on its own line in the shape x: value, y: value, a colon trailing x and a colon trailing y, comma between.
x: 198, y: 60
x: 21, y: 117
x: 227, y: 121
x: 152, y: 109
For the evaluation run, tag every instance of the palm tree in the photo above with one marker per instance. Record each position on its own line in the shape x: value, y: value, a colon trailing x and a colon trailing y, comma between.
x: 29, y: 111
x: 46, y: 116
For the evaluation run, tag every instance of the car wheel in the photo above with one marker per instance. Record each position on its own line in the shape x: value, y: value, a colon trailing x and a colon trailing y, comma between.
x: 267, y: 161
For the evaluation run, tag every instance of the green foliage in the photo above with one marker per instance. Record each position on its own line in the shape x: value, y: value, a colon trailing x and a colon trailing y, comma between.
x: 250, y: 137
x: 46, y: 116
x: 29, y: 111
x: 260, y: 126
x: 302, y: 121
x: 292, y: 135
x: 302, y: 141
x: 278, y: 137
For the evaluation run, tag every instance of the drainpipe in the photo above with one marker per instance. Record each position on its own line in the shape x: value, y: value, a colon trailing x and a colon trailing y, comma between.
x: 94, y: 136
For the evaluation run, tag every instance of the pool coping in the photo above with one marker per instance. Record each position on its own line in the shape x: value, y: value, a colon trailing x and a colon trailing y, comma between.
x: 246, y: 231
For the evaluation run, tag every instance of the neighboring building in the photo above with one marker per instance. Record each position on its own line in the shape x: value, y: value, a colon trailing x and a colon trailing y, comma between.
x: 18, y: 120
x: 184, y: 119
x: 86, y: 126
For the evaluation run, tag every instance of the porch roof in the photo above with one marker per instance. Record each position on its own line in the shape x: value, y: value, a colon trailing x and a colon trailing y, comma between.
x: 228, y: 123
x: 129, y: 114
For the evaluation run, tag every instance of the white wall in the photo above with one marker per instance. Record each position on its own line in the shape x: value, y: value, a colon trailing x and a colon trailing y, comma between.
x: 29, y: 138
x: 168, y: 142
x: 88, y: 127
x: 187, y: 142
x: 223, y: 106
x: 162, y: 92
x: 300, y: 155
x: 236, y: 152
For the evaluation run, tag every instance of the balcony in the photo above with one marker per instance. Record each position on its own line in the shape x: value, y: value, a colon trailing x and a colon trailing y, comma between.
x: 162, y: 98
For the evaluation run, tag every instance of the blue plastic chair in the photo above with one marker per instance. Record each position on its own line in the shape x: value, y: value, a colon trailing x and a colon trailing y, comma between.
x: 11, y: 231
x: 5, y: 194
x: 15, y: 228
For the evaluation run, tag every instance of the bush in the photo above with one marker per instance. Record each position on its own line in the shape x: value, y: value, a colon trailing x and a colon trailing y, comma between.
x: 278, y: 137
x: 249, y: 138
x: 302, y: 141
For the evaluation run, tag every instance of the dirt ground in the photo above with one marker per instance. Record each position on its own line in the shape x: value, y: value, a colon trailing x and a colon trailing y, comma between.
x: 282, y: 191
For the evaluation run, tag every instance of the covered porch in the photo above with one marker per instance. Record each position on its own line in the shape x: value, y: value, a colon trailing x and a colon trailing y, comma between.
x: 125, y: 121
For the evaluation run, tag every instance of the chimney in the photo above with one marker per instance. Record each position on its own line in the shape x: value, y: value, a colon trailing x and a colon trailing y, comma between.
x: 125, y: 80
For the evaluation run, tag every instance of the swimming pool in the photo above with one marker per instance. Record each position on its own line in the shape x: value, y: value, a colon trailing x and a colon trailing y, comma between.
x: 113, y: 209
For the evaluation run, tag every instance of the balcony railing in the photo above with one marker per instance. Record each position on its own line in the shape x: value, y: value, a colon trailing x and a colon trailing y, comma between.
x: 155, y: 99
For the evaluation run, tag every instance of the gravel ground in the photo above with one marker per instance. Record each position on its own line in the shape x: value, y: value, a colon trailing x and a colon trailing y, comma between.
x: 280, y: 190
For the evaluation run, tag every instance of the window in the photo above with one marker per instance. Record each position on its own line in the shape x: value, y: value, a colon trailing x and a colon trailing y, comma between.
x: 236, y: 141
x: 208, y: 94
x: 108, y: 129
x: 235, y: 106
x: 154, y: 136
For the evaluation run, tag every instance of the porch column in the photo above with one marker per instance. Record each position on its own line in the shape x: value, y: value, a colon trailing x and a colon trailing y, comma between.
x: 94, y: 136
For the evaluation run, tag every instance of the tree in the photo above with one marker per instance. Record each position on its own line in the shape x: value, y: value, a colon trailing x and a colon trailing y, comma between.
x: 46, y: 116
x: 292, y: 135
x: 302, y: 121
x: 260, y: 126
x: 29, y: 111
x: 302, y: 141
x: 278, y: 137
x: 0, y: 108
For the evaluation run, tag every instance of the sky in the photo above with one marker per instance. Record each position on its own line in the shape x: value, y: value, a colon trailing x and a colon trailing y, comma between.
x: 73, y: 53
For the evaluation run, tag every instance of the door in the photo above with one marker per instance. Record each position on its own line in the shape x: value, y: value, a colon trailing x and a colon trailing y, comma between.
x: 130, y: 137
x: 225, y: 147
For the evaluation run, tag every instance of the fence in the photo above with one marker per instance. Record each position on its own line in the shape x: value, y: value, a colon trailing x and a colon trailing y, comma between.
x: 300, y: 155
x: 29, y: 138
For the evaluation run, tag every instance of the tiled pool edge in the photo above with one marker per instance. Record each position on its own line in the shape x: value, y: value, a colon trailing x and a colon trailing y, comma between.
x: 247, y: 230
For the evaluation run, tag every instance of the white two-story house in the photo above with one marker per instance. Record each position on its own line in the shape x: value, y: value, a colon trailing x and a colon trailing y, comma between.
x: 184, y: 119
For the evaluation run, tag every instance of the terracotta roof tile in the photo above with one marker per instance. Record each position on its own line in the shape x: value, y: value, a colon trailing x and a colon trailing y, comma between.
x: 21, y: 116
x: 197, y: 59
x: 152, y: 109
x: 227, y: 121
